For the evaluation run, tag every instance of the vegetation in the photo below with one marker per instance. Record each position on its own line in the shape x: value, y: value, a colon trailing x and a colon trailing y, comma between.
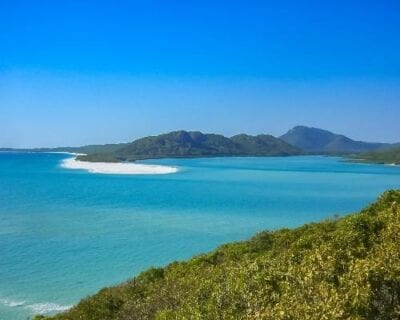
x: 347, y: 268
x: 320, y: 141
x: 180, y: 144
x: 389, y: 156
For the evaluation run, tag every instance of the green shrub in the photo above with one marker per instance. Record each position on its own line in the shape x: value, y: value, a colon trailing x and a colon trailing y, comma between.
x: 347, y: 268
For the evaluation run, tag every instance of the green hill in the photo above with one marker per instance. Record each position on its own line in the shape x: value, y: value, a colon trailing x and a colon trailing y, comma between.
x: 389, y: 156
x: 319, y: 141
x: 263, y: 145
x: 180, y: 144
x: 347, y: 268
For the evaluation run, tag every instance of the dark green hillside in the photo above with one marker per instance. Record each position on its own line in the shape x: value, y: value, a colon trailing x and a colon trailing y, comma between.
x: 263, y: 144
x: 389, y: 156
x: 347, y: 268
x: 177, y: 144
x: 314, y: 140
x: 180, y: 144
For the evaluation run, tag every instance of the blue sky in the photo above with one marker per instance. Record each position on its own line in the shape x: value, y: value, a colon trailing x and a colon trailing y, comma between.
x: 81, y: 72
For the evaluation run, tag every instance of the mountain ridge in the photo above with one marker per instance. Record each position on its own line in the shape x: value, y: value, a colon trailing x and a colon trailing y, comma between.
x: 320, y: 141
x: 179, y: 144
x: 299, y: 140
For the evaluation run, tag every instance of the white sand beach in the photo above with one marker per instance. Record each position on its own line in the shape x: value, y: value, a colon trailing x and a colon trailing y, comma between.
x: 117, y: 167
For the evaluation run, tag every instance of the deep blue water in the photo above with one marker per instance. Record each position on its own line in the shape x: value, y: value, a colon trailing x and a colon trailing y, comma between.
x: 64, y: 234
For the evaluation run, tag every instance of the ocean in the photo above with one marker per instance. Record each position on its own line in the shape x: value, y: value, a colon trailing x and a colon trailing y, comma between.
x: 64, y: 233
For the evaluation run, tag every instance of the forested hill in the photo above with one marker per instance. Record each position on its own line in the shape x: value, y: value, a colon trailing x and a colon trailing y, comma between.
x: 319, y: 141
x: 180, y: 144
x: 348, y: 268
x: 388, y: 156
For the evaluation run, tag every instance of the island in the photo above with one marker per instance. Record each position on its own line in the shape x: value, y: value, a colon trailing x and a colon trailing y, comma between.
x: 184, y: 144
x: 300, y: 140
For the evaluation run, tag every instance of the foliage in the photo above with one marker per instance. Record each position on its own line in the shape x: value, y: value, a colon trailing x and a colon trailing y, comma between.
x: 388, y: 156
x: 98, y: 157
x: 346, y: 268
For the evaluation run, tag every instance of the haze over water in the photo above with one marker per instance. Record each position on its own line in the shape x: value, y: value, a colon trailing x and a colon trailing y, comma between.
x: 65, y: 234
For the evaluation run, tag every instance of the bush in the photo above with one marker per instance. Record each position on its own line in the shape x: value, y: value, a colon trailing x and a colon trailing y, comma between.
x: 347, y: 268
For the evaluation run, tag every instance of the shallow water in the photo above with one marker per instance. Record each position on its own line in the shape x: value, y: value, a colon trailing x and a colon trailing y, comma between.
x: 66, y: 233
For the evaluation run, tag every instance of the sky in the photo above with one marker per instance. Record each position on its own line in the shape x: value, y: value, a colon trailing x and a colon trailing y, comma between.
x: 87, y: 72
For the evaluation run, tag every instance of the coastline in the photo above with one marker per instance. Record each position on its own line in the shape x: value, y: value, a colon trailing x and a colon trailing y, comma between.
x: 116, y: 167
x: 170, y: 283
x: 369, y: 161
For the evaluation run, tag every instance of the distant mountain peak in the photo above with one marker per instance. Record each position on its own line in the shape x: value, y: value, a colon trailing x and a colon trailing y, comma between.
x: 316, y: 140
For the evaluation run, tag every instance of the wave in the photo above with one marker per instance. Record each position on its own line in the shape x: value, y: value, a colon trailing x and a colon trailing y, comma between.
x: 11, y: 303
x: 47, y: 307
x: 36, y: 308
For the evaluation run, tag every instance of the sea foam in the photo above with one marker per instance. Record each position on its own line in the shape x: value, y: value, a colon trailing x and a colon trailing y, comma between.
x: 35, y: 308
x: 11, y: 303
x: 47, y: 307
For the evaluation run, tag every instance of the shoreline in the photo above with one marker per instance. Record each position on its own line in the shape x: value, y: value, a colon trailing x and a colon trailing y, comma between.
x: 368, y: 161
x: 183, y: 272
x: 116, y: 167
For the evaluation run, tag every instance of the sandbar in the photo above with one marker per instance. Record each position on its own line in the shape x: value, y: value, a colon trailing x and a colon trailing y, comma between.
x: 117, y: 167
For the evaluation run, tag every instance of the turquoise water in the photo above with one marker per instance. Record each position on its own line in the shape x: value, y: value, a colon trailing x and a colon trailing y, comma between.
x: 66, y: 233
